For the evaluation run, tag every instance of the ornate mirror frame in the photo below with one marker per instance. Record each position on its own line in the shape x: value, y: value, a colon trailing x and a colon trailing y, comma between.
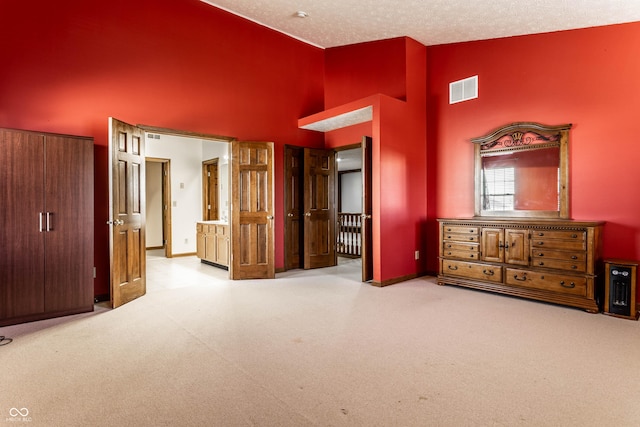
x: 523, y: 137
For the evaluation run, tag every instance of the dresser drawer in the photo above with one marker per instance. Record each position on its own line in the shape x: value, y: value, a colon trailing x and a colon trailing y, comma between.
x: 558, y: 239
x: 560, y: 265
x: 461, y: 246
x: 462, y: 255
x: 472, y: 270
x: 562, y: 235
x: 542, y: 243
x: 574, y: 256
x: 562, y: 283
x: 460, y: 229
x: 461, y: 237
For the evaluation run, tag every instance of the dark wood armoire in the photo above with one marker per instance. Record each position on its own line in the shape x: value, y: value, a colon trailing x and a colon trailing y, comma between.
x: 46, y: 225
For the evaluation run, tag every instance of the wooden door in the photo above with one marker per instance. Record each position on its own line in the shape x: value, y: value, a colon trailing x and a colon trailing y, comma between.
x: 492, y: 244
x: 166, y: 209
x: 319, y: 208
x: 127, y: 208
x: 252, y: 230
x: 21, y: 215
x: 210, y: 190
x: 367, y: 208
x: 293, y: 204
x: 516, y: 247
x: 68, y: 167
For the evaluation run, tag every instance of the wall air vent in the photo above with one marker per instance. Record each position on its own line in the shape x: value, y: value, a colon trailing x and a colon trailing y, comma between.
x: 463, y: 90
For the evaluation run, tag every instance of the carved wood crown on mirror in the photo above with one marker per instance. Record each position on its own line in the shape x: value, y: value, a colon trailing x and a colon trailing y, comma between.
x: 522, y: 170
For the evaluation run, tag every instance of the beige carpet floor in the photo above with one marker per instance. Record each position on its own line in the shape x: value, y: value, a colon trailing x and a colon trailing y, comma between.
x: 320, y: 348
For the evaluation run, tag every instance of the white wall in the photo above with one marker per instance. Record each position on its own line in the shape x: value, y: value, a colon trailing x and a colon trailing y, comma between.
x: 351, y: 192
x: 153, y: 180
x: 186, y: 155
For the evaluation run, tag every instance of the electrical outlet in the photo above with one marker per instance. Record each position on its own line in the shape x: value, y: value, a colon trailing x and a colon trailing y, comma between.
x: 186, y: 240
x: 417, y: 255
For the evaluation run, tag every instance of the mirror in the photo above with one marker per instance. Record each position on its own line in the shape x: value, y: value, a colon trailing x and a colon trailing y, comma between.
x: 521, y: 170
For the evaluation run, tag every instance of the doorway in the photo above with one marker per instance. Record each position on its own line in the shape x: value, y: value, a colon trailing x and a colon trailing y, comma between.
x: 210, y: 190
x: 351, y: 204
x: 251, y: 189
x: 158, y: 197
x: 182, y: 157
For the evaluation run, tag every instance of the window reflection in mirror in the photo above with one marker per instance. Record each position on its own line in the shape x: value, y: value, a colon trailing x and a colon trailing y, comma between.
x: 521, y: 180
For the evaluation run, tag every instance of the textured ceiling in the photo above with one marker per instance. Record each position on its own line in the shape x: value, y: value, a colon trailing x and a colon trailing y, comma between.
x: 340, y: 22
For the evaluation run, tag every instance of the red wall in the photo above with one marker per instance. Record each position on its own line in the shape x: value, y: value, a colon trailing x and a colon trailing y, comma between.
x: 586, y: 77
x: 69, y: 65
x: 395, y: 70
x: 360, y: 70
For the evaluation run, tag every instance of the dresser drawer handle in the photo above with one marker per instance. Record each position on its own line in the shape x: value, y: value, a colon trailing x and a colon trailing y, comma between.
x: 574, y: 257
x: 541, y: 263
x: 471, y: 255
x: 540, y: 254
x: 540, y: 234
x: 571, y: 285
x: 523, y: 279
x: 488, y: 272
x: 575, y: 236
x: 449, y: 245
x: 452, y: 267
x: 574, y: 267
x: 540, y: 243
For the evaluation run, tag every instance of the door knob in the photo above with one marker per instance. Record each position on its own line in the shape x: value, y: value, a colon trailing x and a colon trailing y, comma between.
x: 307, y: 214
x: 365, y: 216
x: 290, y: 215
x: 269, y: 216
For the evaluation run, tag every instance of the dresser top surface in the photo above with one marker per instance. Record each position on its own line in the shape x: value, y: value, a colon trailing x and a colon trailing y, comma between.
x: 537, y: 222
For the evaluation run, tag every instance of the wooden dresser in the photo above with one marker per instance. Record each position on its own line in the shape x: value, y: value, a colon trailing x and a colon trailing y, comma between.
x: 548, y: 260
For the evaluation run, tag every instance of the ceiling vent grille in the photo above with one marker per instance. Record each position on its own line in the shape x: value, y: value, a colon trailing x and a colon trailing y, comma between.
x: 463, y: 90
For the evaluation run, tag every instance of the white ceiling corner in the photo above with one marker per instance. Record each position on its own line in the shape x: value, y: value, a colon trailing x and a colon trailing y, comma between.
x: 333, y: 23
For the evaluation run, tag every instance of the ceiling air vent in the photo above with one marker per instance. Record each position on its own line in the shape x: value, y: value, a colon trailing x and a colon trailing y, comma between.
x: 463, y: 90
